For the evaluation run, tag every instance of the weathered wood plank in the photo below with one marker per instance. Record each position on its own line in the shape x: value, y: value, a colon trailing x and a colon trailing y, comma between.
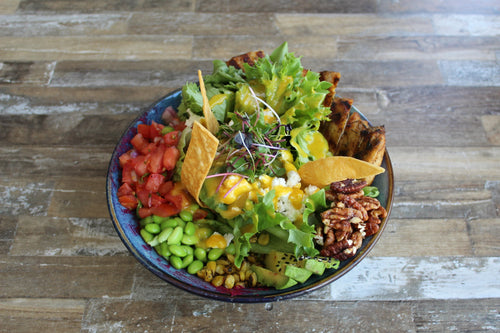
x: 8, y: 226
x: 442, y: 6
x: 29, y: 25
x: 295, y: 6
x: 168, y: 74
x: 51, y: 236
x: 417, y: 48
x: 201, y: 24
x: 353, y: 25
x: 36, y: 100
x: 151, y: 47
x: 25, y: 196
x: 41, y: 315
x: 8, y: 6
x: 470, y: 73
x: 206, y: 316
x: 467, y: 25
x: 66, y: 277
x: 96, y: 6
x: 224, y: 47
x: 416, y: 278
x: 66, y: 200
x: 54, y: 161
x: 491, y: 124
x: 25, y: 72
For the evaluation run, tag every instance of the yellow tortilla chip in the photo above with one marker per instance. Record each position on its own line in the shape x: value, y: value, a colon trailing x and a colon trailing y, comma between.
x: 211, y: 122
x: 331, y: 169
x: 198, y: 161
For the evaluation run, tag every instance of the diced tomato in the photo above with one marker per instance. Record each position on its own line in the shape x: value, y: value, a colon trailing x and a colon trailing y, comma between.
x: 128, y: 174
x: 166, y: 187
x: 156, y: 160
x: 165, y: 210
x: 125, y: 158
x: 155, y: 129
x: 148, y: 148
x: 175, y: 200
x: 128, y: 201
x: 154, y: 181
x: 172, y: 138
x: 144, y: 130
x: 144, y: 212
x: 144, y: 197
x: 140, y: 165
x: 125, y: 189
x: 170, y: 157
x: 139, y: 142
x: 156, y: 200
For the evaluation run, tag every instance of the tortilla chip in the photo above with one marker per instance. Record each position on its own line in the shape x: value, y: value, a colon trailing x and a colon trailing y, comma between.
x: 331, y: 169
x: 198, y: 161
x: 211, y: 122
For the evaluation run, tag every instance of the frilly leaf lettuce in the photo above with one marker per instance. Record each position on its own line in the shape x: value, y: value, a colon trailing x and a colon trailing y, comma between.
x: 309, y: 145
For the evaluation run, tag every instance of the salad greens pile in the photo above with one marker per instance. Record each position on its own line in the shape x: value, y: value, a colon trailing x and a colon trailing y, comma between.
x: 263, y: 110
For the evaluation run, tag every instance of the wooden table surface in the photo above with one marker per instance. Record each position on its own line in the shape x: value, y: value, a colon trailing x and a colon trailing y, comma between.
x: 73, y: 74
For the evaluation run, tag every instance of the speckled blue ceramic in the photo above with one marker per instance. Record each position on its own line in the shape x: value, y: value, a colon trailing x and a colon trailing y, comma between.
x: 126, y: 224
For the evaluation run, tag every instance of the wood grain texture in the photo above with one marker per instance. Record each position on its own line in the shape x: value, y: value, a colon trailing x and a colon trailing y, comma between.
x: 74, y: 74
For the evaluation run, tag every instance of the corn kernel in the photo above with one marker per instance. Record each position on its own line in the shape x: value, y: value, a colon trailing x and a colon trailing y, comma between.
x: 219, y: 269
x: 211, y: 265
x: 218, y: 280
x: 263, y: 239
x: 229, y: 282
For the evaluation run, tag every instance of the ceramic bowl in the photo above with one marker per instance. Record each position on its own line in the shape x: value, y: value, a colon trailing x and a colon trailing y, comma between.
x: 126, y: 225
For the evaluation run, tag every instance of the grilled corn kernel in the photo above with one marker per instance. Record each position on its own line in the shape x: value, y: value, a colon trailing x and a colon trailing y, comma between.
x: 218, y: 280
x: 229, y: 282
x: 219, y: 269
x: 211, y: 265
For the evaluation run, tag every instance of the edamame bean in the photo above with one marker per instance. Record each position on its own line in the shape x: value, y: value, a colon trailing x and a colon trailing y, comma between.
x: 154, y: 242
x: 186, y: 215
x: 200, y: 254
x: 146, y: 220
x: 189, y: 240
x: 215, y: 253
x: 153, y: 228
x: 180, y: 222
x: 189, y: 249
x: 158, y: 219
x: 163, y: 236
x: 177, y: 250
x: 190, y: 228
x: 146, y: 235
x: 164, y: 251
x: 194, y: 267
x: 170, y: 223
x: 187, y: 260
x: 176, y: 236
x: 175, y: 261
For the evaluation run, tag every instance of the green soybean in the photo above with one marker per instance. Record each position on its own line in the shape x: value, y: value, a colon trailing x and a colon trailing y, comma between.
x: 175, y: 261
x: 215, y: 253
x: 190, y: 228
x: 186, y: 215
x: 177, y: 250
x: 152, y: 228
x: 180, y: 222
x: 170, y: 223
x: 195, y: 266
x: 146, y: 235
x: 164, y: 251
x: 146, y: 220
x: 189, y: 249
x: 154, y: 242
x: 200, y: 254
x: 158, y: 219
x: 163, y: 236
x: 176, y: 236
x: 187, y: 260
x: 189, y: 240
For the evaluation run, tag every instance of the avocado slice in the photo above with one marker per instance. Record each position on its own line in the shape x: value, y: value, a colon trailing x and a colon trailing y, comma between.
x: 272, y: 279
x: 315, y: 266
x: 297, y: 273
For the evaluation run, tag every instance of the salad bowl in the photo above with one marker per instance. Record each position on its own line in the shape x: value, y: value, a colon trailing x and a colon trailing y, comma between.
x: 126, y: 224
